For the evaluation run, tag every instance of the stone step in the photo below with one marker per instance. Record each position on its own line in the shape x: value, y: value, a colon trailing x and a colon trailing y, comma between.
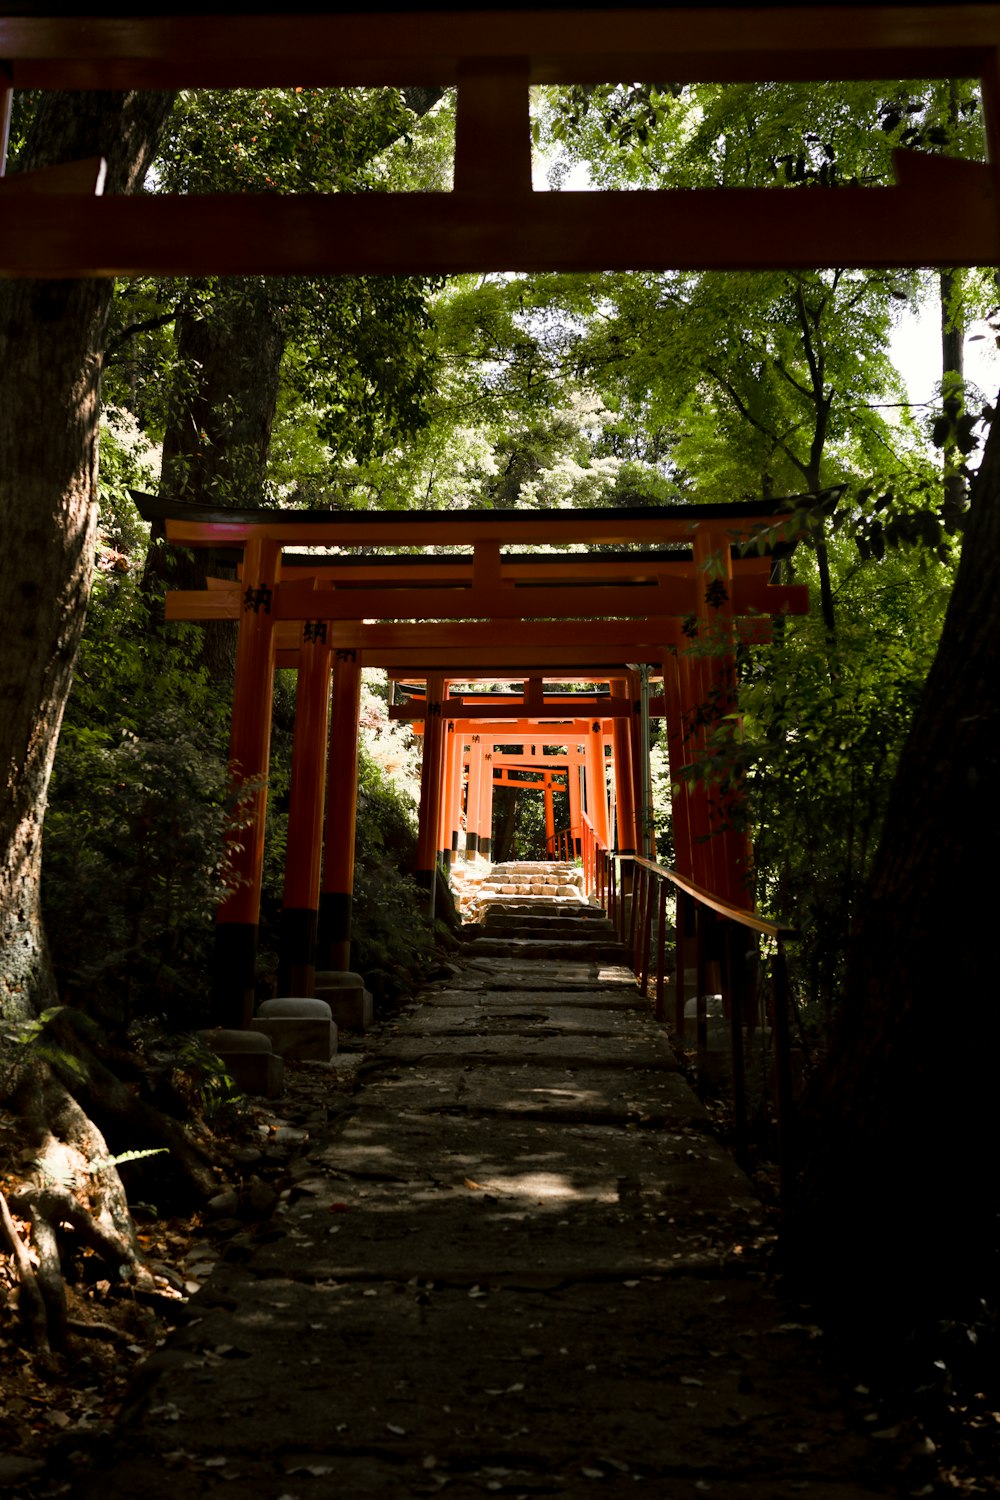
x: 579, y: 950
x: 520, y: 897
x: 538, y: 867
x: 544, y: 923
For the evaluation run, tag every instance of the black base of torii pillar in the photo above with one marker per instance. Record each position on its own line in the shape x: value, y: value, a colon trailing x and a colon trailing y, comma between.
x: 336, y: 901
x: 299, y: 916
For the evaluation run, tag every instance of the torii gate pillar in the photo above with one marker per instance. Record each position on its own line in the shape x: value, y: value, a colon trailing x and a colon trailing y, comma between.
x: 597, y: 791
x: 573, y: 775
x: 731, y: 857
x: 550, y: 816
x: 235, y: 962
x: 451, y: 799
x: 430, y: 788
x: 337, y: 895
x: 486, y: 804
x: 679, y: 801
x: 303, y: 854
x: 473, y: 797
x: 621, y: 744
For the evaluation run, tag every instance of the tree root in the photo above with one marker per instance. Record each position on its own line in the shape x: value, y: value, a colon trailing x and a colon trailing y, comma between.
x: 32, y: 1304
x: 66, y: 1097
x: 122, y: 1114
x: 76, y: 1187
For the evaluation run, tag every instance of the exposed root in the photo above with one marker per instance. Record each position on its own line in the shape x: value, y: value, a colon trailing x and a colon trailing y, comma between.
x: 74, y: 1195
x: 32, y: 1304
x: 122, y: 1113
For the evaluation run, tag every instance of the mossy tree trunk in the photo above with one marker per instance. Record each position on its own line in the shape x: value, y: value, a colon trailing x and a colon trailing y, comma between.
x: 897, y: 1224
x: 51, y: 340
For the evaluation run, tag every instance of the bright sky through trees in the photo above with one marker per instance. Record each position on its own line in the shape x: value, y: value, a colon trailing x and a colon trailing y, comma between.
x: 916, y: 352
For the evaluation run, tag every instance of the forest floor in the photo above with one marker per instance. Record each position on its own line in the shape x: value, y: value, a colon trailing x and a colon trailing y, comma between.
x: 55, y: 1419
x: 53, y: 1413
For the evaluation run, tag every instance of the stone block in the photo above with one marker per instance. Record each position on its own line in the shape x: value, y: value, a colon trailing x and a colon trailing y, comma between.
x: 301, y: 1007
x: 338, y: 979
x: 305, y: 1038
x: 249, y: 1060
x: 350, y: 1003
x: 354, y: 1010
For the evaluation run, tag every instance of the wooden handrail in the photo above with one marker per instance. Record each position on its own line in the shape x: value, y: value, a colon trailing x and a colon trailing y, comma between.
x: 723, y: 908
x: 625, y: 885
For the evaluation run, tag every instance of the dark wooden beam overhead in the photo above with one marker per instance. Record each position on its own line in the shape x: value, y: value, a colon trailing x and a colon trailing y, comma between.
x: 578, y: 45
x: 733, y: 229
x: 493, y: 221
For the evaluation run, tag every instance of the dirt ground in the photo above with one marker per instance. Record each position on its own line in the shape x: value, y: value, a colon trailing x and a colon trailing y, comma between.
x: 55, y: 1423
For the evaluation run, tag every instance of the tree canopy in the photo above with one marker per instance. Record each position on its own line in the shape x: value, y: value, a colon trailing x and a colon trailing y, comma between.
x: 514, y: 390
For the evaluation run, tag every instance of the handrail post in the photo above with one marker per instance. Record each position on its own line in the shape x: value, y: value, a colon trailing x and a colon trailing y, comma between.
x: 782, y: 1067
x: 704, y: 927
x: 632, y: 913
x: 659, y: 1004
x: 681, y: 918
x: 733, y: 986
x: 635, y: 918
x: 647, y: 926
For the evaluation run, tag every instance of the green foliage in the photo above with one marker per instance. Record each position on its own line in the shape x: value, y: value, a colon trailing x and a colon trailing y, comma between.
x: 134, y: 855
x: 822, y: 731
x: 541, y: 391
x: 755, y: 134
x: 357, y: 370
x: 197, y: 1076
x: 294, y: 140
x: 124, y: 1157
x: 392, y: 940
x: 33, y: 1036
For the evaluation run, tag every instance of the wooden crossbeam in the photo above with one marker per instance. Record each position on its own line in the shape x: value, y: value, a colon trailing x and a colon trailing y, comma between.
x: 68, y: 178
x: 228, y: 50
x: 465, y: 713
x: 528, y: 777
x: 420, y: 571
x: 620, y: 525
x: 452, y: 234
x: 493, y: 219
x: 645, y: 606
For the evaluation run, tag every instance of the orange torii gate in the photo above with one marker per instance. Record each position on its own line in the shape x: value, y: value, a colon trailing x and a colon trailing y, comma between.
x: 482, y: 770
x: 559, y: 771
x: 61, y: 226
x: 490, y: 614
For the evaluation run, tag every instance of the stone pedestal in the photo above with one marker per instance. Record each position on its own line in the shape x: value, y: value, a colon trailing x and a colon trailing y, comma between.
x: 298, y: 1027
x: 249, y: 1060
x: 350, y: 1003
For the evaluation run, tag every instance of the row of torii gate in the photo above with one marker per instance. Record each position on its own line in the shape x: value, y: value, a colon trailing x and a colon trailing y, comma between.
x: 600, y: 604
x: 679, y: 612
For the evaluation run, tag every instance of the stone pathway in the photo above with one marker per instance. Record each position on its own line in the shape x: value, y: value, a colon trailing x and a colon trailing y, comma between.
x: 521, y: 1266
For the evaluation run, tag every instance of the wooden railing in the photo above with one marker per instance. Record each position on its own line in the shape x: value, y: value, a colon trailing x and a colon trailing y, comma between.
x: 723, y: 941
x: 598, y: 866
x: 564, y: 845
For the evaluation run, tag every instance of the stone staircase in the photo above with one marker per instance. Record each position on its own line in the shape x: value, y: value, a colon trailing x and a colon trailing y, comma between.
x: 531, y: 880
x: 539, y: 909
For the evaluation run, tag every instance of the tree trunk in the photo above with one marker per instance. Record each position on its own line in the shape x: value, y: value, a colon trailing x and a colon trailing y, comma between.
x: 897, y: 1225
x: 505, y: 821
x: 51, y: 336
x: 952, y: 390
x: 230, y: 349
x: 216, y: 444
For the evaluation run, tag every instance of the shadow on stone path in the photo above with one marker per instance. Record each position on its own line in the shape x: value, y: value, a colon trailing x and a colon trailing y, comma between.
x: 517, y: 1267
